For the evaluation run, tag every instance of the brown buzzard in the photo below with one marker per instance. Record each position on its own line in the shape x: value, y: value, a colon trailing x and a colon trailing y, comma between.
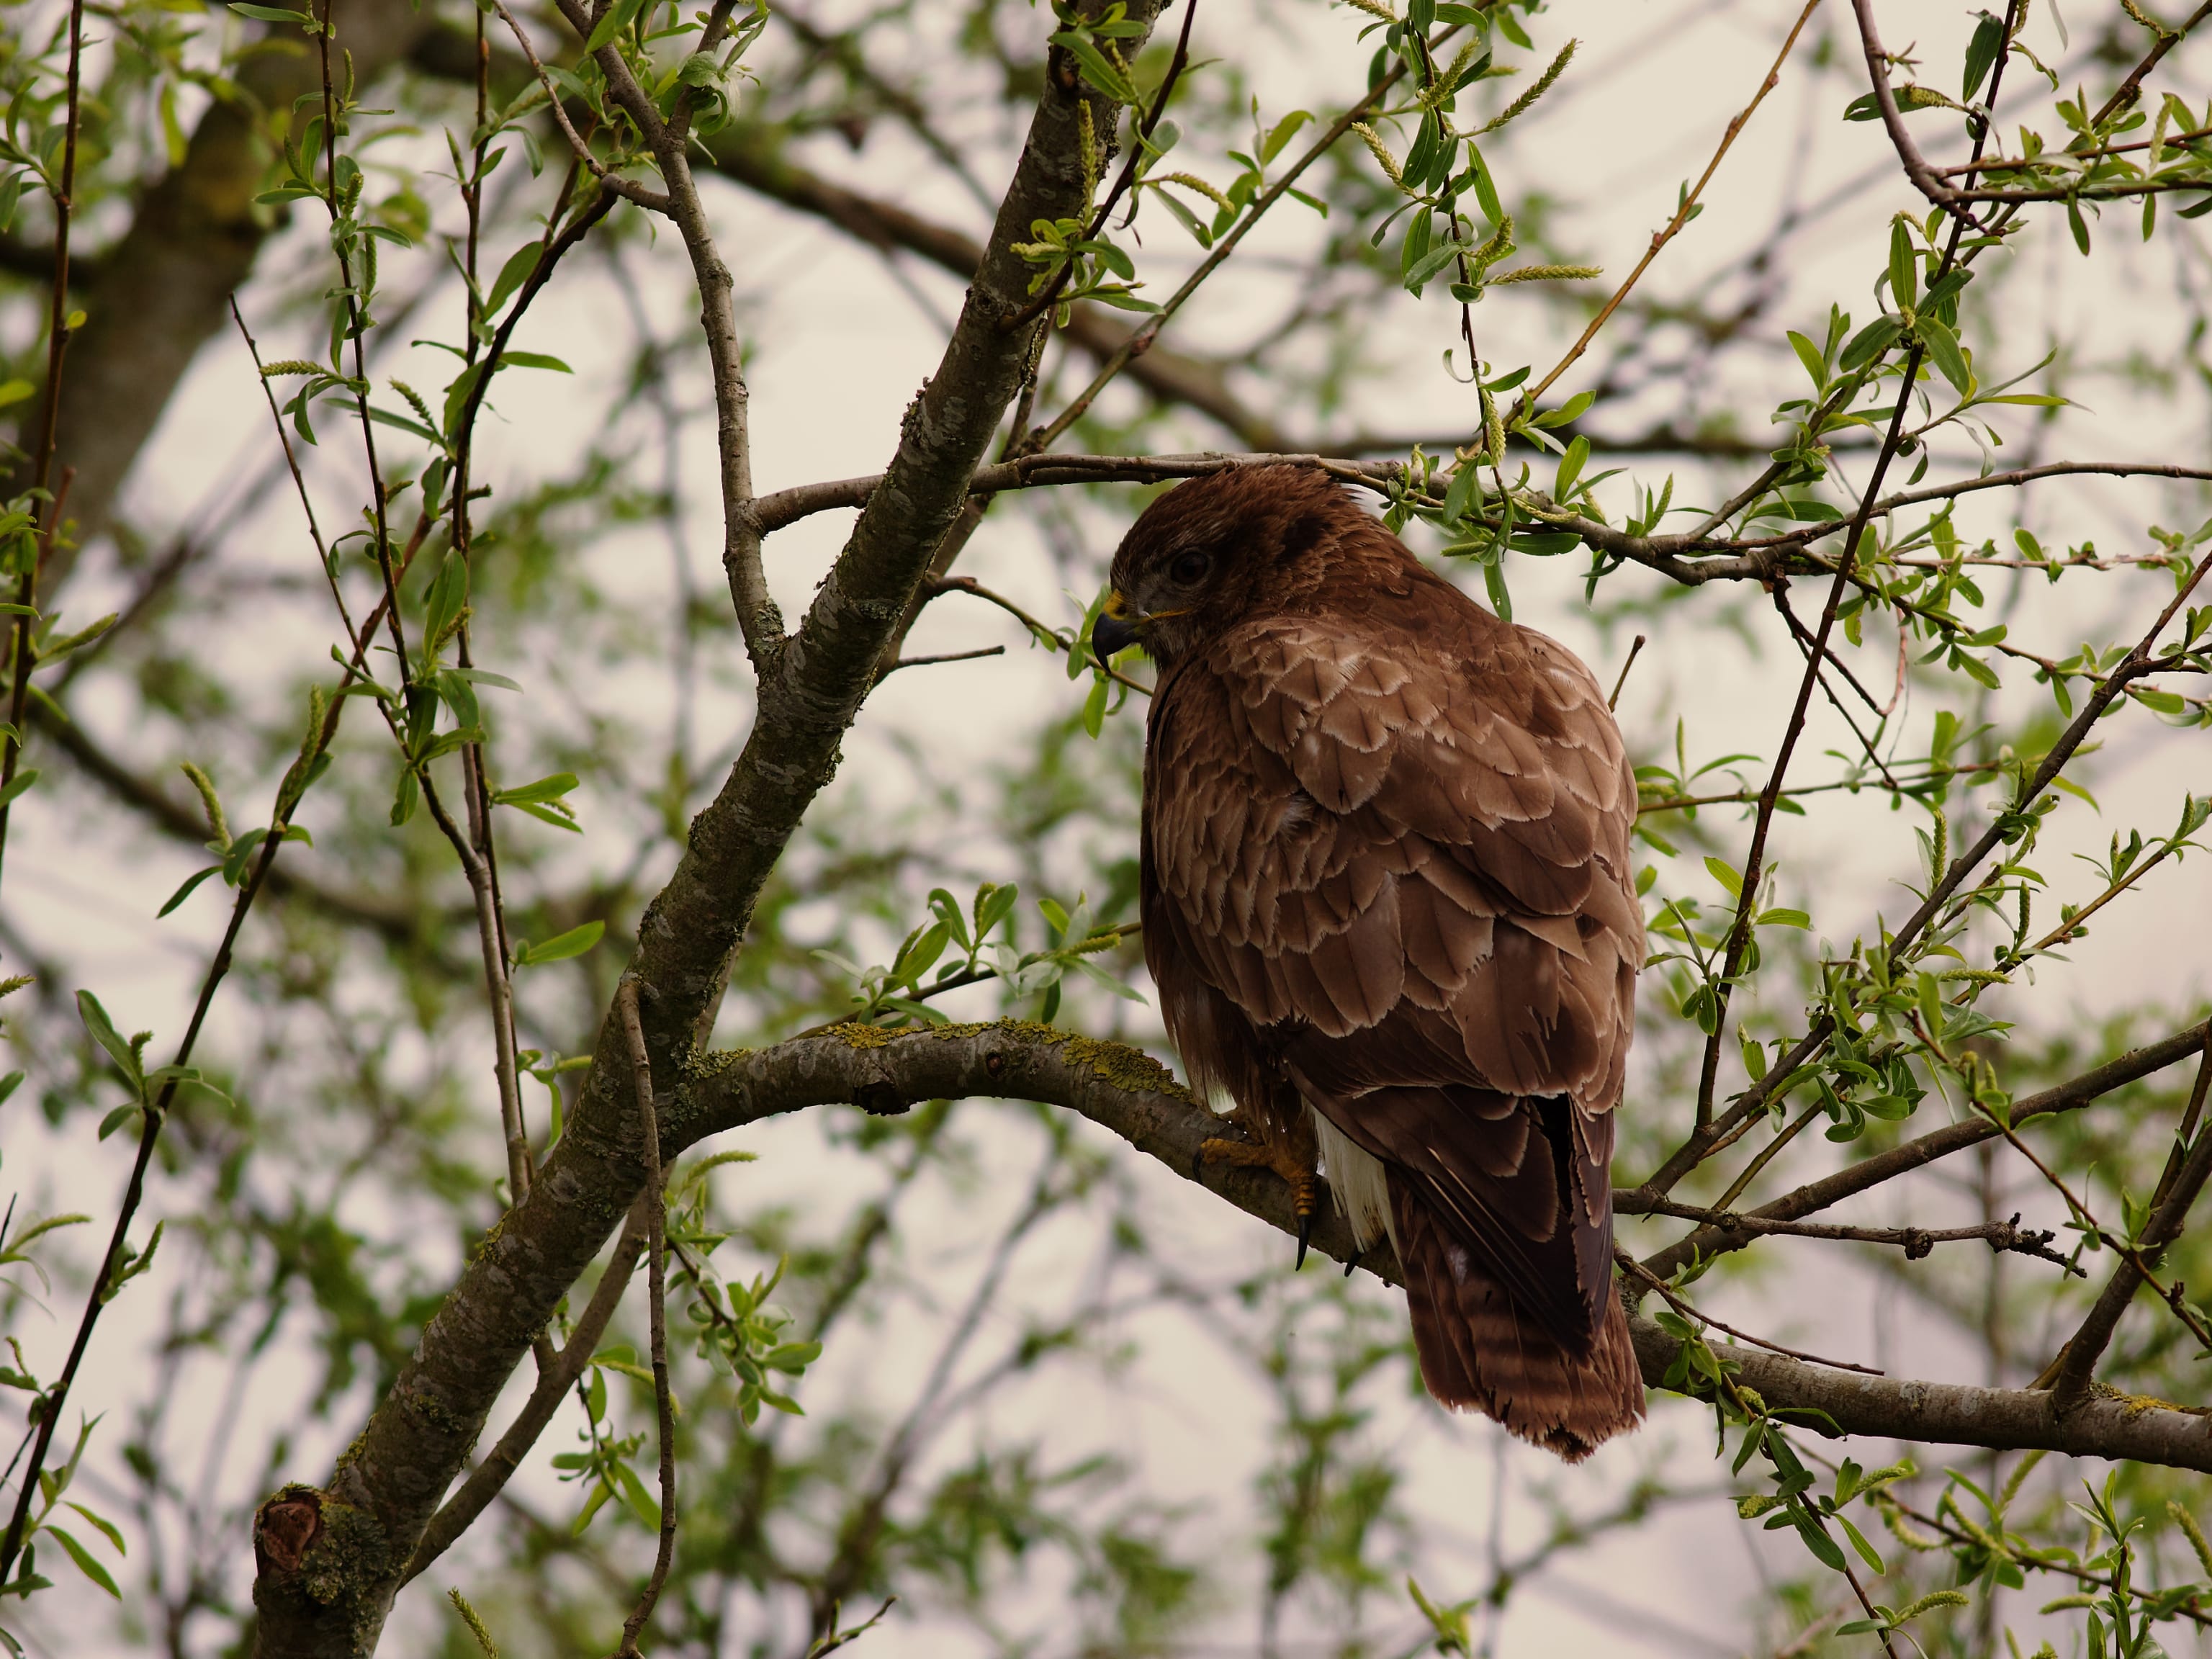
x: 1389, y: 906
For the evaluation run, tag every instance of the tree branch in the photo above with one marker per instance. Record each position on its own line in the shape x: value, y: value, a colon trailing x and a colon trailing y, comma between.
x: 1916, y: 165
x: 332, y: 1560
x: 1139, y: 1102
x: 1871, y: 1172
x: 490, y: 1477
x: 2077, y: 1363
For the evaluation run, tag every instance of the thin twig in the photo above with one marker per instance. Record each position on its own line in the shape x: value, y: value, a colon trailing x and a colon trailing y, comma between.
x: 942, y: 657
x: 1636, y: 1269
x: 1923, y: 177
x: 2076, y: 1364
x: 628, y: 189
x: 2021, y: 164
x: 50, y: 1403
x: 1150, y: 330
x: 2124, y: 93
x: 657, y: 1312
x: 496, y: 948
x: 1038, y: 631
x: 1739, y: 939
x: 1747, y: 797
x: 1683, y: 214
x: 1915, y: 1242
x: 1885, y: 1166
x: 2071, y: 928
x: 1613, y: 702
x: 48, y: 505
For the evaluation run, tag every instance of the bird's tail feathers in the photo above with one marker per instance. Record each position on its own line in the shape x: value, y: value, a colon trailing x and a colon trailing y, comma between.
x: 1479, y: 1353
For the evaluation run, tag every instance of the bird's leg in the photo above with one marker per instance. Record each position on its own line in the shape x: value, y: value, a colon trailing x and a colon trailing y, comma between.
x: 1281, y: 1140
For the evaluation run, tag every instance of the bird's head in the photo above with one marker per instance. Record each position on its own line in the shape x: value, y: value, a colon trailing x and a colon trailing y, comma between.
x: 1217, y: 548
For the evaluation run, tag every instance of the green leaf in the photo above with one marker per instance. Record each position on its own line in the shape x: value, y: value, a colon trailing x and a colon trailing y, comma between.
x: 1725, y: 873
x: 447, y: 599
x: 1809, y: 354
x: 1869, y: 342
x: 1281, y: 134
x: 1945, y: 352
x: 1824, y: 1548
x: 618, y: 18
x: 1982, y: 53
x: 533, y: 360
x: 400, y: 423
x: 16, y: 785
x: 105, y: 1034
x: 273, y: 14
x: 1493, y: 581
x: 1904, y: 263
x: 1485, y: 191
x: 1098, y: 69
x: 77, y: 1552
x: 512, y: 274
x: 640, y: 1502
x: 1190, y: 222
x: 116, y: 1119
x: 107, y: 1528
x: 1571, y: 468
x: 551, y: 815
x: 1867, y: 1551
x: 1429, y: 264
x: 561, y: 946
x: 549, y: 788
x: 14, y: 392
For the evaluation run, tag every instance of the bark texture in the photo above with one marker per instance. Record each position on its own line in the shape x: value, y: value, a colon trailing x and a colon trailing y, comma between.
x: 389, y: 1484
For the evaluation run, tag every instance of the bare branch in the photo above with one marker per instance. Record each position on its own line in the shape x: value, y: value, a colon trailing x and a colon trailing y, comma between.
x: 2077, y: 1363
x: 654, y: 1198
x: 1915, y: 1242
x: 1686, y: 212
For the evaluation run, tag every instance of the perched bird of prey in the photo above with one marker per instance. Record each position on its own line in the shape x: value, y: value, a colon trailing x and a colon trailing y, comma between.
x: 1389, y: 906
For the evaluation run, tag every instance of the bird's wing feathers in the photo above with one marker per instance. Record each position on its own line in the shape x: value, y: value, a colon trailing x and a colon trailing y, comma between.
x: 1396, y: 842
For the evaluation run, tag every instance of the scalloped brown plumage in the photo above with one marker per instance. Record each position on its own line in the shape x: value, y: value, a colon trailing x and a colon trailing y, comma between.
x: 1386, y: 873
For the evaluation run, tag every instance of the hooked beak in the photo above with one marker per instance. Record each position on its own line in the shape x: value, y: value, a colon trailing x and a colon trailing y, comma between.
x: 1115, y: 630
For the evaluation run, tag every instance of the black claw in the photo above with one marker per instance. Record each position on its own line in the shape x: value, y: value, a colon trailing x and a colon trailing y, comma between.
x: 1305, y: 1238
x: 1198, y: 1164
x: 1351, y: 1261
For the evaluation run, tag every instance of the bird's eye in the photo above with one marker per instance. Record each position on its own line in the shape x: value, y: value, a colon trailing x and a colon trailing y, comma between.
x: 1189, y: 568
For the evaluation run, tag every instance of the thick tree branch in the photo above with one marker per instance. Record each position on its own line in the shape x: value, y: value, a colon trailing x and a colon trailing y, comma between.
x: 307, y: 1537
x: 329, y: 1589
x: 1123, y: 1091
x: 490, y: 1478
